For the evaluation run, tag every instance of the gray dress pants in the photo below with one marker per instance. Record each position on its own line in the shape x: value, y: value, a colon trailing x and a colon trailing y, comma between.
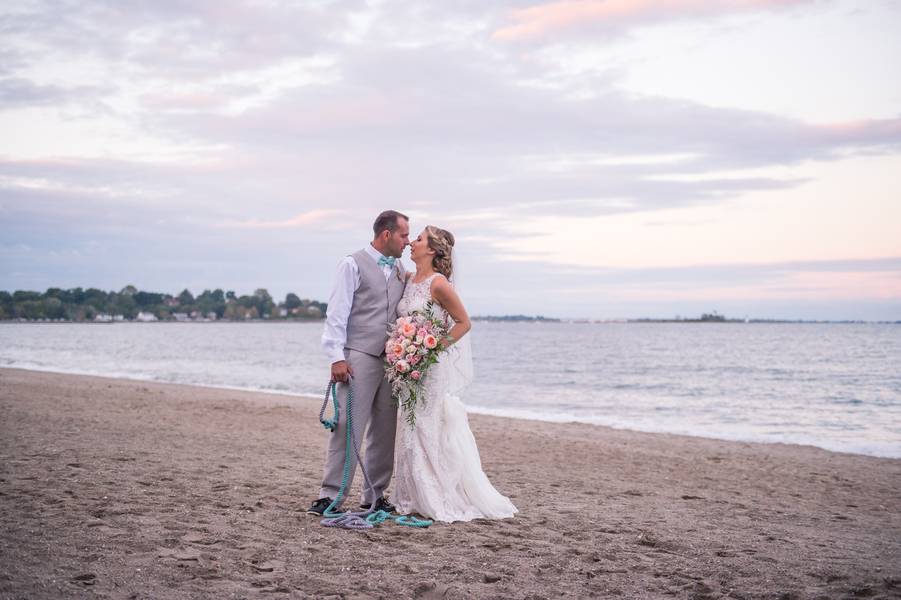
x: 375, y: 423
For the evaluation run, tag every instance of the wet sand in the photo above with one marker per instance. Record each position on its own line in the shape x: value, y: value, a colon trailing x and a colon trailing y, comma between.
x: 124, y: 489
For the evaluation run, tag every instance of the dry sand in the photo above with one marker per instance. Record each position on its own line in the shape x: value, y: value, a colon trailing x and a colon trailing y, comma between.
x: 125, y: 489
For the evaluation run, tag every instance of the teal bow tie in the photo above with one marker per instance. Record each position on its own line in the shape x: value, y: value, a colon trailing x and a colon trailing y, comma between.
x: 386, y: 260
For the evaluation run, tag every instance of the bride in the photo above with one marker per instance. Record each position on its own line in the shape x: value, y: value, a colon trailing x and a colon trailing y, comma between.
x: 437, y: 469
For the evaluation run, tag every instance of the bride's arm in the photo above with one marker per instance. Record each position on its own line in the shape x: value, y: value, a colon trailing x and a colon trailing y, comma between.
x: 447, y: 297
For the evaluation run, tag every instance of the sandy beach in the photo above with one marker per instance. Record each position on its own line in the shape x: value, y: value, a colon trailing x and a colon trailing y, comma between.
x: 124, y: 489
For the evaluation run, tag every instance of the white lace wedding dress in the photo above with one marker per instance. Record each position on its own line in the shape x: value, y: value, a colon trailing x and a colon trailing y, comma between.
x: 437, y: 470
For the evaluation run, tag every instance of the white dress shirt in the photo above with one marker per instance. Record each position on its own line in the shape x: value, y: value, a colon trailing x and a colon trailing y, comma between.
x: 347, y: 281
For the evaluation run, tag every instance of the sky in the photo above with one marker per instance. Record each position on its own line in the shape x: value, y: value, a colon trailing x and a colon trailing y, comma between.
x: 594, y: 158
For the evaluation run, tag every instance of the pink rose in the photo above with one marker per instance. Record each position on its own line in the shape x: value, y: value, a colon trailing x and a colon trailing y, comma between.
x: 409, y: 357
x: 408, y: 329
x: 416, y: 375
x: 416, y: 358
x: 397, y: 349
x: 402, y: 366
x: 430, y: 341
x: 422, y: 332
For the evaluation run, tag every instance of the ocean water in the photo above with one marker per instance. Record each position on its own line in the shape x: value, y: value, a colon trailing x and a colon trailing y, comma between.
x: 836, y: 386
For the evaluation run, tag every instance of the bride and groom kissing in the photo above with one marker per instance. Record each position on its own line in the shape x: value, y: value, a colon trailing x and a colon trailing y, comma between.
x: 435, y: 464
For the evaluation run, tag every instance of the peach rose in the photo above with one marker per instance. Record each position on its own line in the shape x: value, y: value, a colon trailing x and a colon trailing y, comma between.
x: 396, y: 349
x: 430, y: 341
x: 402, y: 366
x: 408, y: 329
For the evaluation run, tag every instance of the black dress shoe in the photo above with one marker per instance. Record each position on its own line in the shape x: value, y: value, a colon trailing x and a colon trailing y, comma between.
x: 380, y: 504
x: 319, y: 506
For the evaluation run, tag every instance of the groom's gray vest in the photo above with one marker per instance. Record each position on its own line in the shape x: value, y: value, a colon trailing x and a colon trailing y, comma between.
x: 374, y: 307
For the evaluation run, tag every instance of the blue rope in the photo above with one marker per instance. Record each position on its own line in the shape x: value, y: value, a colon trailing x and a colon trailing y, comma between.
x: 354, y: 520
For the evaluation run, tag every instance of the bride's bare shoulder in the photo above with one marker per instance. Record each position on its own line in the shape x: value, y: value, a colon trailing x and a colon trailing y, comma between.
x: 440, y: 284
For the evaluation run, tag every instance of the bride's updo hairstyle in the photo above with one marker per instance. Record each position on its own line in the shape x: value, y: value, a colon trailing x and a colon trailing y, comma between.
x: 442, y: 242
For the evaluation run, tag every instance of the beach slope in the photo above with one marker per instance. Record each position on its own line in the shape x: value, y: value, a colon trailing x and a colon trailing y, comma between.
x: 126, y: 489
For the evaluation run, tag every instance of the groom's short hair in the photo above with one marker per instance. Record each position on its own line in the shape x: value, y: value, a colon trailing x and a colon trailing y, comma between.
x: 387, y: 220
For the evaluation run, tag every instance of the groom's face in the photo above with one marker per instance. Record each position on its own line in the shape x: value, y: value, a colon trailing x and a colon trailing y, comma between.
x: 398, y: 239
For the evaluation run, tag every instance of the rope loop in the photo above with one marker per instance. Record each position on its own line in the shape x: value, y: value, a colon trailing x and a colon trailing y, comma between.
x: 330, y: 424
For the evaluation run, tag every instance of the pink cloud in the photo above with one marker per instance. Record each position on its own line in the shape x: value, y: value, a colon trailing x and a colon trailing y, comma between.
x: 865, y: 132
x: 803, y: 285
x: 543, y: 19
x: 846, y: 285
x: 186, y: 101
x: 300, y: 220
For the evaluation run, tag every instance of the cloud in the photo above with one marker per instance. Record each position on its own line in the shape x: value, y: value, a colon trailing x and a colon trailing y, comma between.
x: 17, y: 91
x: 794, y: 289
x: 555, y: 18
x: 304, y: 219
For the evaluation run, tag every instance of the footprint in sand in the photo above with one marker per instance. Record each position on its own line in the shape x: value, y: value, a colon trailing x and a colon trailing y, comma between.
x: 85, y: 579
x: 429, y: 590
x: 196, y: 538
x: 267, y: 566
x: 183, y: 554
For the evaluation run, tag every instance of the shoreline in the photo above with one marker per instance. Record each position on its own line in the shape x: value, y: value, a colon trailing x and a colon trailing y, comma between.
x: 487, y: 319
x: 472, y: 410
x: 76, y: 373
x: 119, y: 488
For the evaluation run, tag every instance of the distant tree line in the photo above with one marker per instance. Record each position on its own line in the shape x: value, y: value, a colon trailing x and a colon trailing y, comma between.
x: 515, y: 318
x: 129, y: 303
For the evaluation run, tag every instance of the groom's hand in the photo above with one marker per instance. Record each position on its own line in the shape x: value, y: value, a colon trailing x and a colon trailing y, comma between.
x: 341, y: 370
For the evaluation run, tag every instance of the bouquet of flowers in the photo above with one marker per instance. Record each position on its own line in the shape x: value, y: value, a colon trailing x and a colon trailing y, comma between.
x: 413, y: 347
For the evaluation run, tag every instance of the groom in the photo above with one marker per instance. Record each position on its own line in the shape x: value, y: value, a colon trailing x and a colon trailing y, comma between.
x: 361, y: 309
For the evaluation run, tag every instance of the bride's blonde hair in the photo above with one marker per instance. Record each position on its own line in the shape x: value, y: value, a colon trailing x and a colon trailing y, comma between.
x: 442, y: 242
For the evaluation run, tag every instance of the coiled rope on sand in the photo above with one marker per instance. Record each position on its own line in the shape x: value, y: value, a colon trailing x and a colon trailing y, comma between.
x: 360, y: 519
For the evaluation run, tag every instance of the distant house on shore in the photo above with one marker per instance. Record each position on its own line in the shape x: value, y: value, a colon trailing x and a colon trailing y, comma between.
x: 103, y: 318
x: 182, y: 317
x: 146, y: 317
x: 211, y: 316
